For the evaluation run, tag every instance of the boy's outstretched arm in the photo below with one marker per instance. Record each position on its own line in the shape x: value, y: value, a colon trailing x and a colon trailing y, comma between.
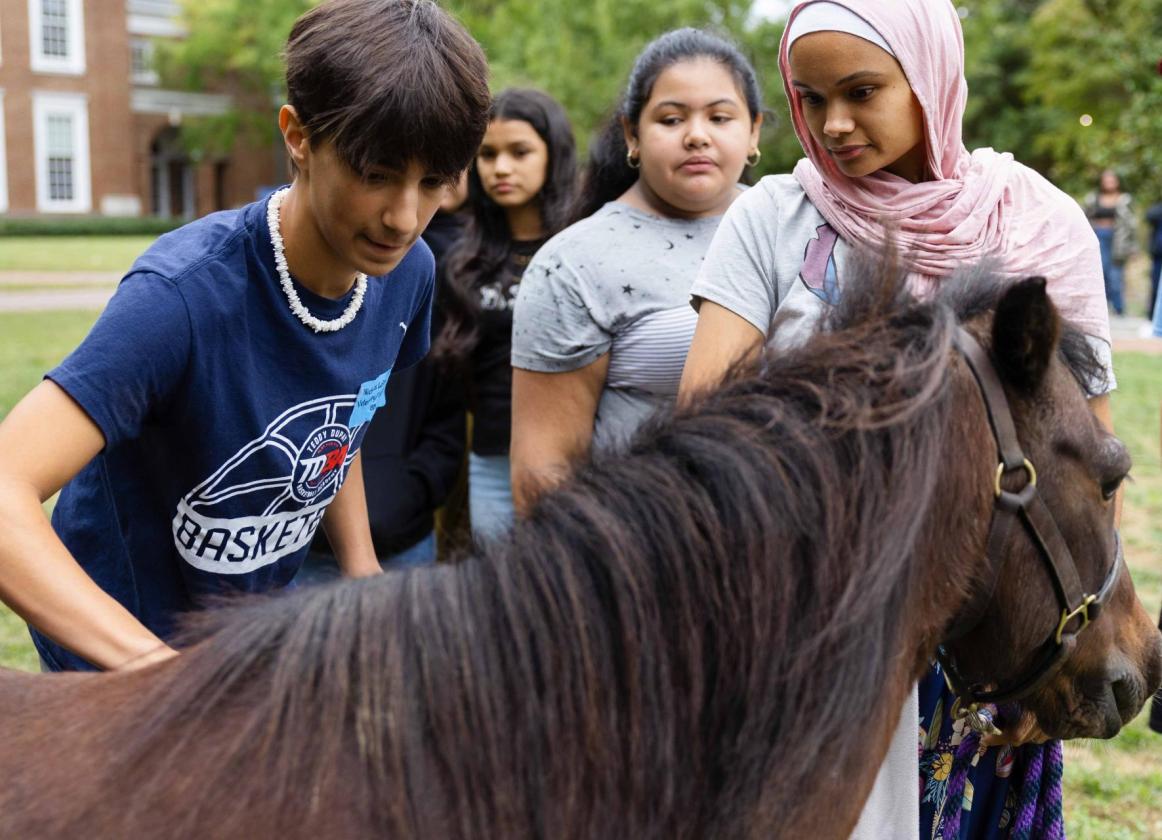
x: 45, y: 441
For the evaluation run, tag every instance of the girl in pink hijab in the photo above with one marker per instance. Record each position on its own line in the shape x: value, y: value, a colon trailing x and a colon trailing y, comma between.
x: 877, y: 96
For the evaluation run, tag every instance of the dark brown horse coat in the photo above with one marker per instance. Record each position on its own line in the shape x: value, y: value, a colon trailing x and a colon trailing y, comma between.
x: 708, y: 636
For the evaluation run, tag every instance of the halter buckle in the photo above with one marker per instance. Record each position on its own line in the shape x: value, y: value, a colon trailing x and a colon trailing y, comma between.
x: 1068, y: 616
x: 1027, y: 466
x: 976, y: 717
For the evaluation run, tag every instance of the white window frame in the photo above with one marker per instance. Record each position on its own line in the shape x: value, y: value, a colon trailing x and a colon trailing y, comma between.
x: 147, y: 76
x: 74, y: 63
x: 76, y: 105
x: 3, y: 160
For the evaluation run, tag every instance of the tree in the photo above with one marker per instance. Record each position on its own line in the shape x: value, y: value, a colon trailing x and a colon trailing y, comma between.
x: 581, y: 53
x: 1034, y: 67
x: 1098, y: 59
x: 997, y: 47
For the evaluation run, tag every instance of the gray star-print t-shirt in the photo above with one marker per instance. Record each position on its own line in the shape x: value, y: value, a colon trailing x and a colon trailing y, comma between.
x: 617, y: 282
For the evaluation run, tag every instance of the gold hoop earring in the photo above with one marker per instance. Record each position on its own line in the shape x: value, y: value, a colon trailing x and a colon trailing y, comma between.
x: 754, y: 157
x: 632, y: 160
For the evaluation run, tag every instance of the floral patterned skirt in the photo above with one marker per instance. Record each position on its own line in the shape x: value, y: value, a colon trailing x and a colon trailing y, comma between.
x: 1009, y: 793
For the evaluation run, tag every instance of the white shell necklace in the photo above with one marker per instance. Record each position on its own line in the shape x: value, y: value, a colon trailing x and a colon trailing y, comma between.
x: 288, y: 288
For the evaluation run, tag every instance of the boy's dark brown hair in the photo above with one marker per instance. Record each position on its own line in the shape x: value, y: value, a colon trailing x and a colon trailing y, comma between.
x: 389, y: 82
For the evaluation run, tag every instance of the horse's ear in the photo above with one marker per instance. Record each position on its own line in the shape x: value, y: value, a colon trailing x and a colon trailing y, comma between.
x: 1025, y: 332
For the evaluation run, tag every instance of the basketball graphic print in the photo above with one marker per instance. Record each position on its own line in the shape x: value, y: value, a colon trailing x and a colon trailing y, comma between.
x: 320, y: 462
x: 267, y: 500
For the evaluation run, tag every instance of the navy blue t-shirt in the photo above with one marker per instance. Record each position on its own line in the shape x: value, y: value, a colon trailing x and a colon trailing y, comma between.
x: 229, y: 425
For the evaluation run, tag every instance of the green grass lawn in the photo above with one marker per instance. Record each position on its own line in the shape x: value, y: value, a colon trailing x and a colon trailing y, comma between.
x: 71, y: 253
x: 1112, y: 788
x: 30, y: 344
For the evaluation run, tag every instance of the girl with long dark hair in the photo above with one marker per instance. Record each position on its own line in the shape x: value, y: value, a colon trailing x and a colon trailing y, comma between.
x: 603, y: 320
x: 520, y: 190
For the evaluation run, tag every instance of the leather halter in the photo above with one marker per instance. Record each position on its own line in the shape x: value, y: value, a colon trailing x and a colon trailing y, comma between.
x: 1078, y: 609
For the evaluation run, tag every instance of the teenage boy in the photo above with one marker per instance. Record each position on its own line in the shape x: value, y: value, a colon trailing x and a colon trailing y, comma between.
x: 212, y: 418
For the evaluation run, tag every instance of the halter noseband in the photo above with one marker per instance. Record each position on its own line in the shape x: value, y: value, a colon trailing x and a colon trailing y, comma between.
x: 1025, y: 505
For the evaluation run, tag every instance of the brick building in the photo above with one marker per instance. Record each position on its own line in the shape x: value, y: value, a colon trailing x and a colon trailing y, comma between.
x: 85, y: 128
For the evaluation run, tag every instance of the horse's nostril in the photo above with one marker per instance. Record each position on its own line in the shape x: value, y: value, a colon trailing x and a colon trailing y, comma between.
x: 1128, y: 697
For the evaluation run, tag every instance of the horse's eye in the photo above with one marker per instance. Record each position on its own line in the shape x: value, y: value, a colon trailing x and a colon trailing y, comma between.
x: 1109, y: 488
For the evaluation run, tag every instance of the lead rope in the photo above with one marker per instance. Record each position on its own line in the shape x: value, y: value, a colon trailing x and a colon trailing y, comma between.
x: 1039, y: 811
x: 1039, y: 804
x: 958, y: 778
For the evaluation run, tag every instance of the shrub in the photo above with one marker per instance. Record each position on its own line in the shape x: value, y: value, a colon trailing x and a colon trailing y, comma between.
x: 87, y: 226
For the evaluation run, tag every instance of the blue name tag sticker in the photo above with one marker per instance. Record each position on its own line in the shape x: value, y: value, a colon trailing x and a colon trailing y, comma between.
x: 372, y: 396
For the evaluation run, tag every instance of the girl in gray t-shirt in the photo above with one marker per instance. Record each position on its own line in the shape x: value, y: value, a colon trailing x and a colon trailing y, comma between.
x: 602, y: 322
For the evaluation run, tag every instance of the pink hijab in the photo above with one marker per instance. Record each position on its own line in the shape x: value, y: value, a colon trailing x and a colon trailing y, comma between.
x: 978, y: 204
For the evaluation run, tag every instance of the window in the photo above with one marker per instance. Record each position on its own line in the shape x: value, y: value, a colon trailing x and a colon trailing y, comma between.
x: 141, y: 61
x: 61, y: 157
x: 57, y: 34
x: 54, y: 28
x: 61, y: 134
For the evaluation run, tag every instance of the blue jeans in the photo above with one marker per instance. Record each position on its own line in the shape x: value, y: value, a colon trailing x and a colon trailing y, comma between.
x: 1111, y: 270
x: 1155, y: 276
x: 489, y: 495
x: 321, y: 568
x: 1156, y: 286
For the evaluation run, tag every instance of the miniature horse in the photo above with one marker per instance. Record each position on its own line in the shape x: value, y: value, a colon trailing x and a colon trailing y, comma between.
x: 706, y: 636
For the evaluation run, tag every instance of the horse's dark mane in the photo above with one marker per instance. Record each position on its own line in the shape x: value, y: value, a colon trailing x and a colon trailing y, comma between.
x: 656, y: 623
x: 975, y: 291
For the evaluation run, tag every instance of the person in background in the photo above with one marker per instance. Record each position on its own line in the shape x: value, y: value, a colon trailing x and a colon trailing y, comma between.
x: 1111, y: 212
x: 603, y: 320
x: 414, y: 447
x: 877, y: 95
x: 447, y: 226
x: 1156, y: 704
x: 520, y: 189
x: 1154, y: 218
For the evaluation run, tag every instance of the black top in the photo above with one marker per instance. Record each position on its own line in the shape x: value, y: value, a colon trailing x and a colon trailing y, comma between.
x: 442, y: 232
x: 1154, y: 217
x: 414, y: 445
x: 490, y: 379
x: 411, y: 456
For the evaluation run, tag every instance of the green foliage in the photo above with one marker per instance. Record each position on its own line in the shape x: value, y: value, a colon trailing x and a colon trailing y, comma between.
x: 1034, y: 68
x: 1099, y: 57
x: 997, y: 48
x: 581, y: 53
x: 87, y: 226
x: 233, y: 46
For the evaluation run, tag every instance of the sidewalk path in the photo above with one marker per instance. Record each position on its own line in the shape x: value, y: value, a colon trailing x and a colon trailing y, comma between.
x: 47, y: 291
x: 1132, y: 335
x: 49, y: 279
